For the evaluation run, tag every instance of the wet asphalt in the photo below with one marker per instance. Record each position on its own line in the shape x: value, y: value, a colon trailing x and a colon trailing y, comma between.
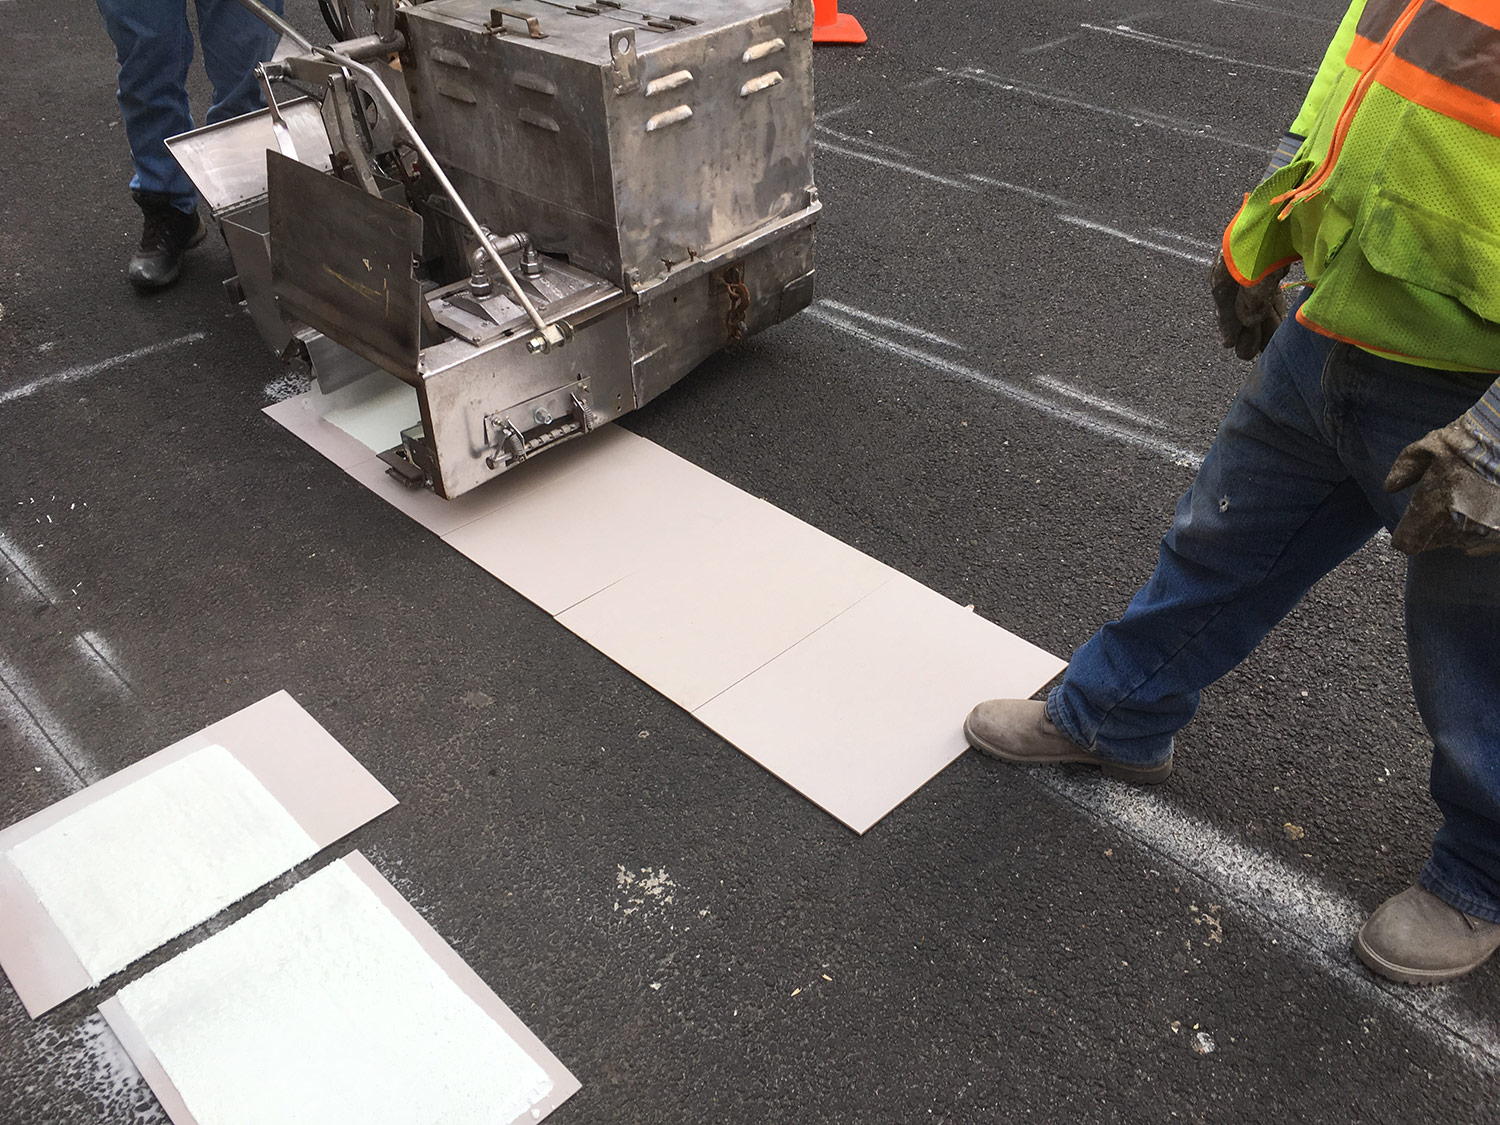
x: 993, y: 950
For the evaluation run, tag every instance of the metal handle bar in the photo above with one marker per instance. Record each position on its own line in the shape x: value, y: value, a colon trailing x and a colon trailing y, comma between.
x: 552, y: 336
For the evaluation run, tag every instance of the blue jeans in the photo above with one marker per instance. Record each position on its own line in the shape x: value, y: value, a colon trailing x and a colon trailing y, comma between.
x: 154, y: 47
x: 1292, y: 487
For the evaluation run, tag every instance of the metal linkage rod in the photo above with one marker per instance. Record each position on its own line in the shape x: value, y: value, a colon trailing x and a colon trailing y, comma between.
x: 270, y: 18
x: 551, y: 335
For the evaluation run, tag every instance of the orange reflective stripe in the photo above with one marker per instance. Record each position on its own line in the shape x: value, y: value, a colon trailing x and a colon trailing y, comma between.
x: 1447, y: 98
x: 1362, y: 53
x: 1457, y: 50
x: 1346, y: 116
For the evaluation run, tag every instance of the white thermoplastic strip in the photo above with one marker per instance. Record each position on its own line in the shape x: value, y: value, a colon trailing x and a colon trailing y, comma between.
x: 322, y: 1008
x: 140, y: 866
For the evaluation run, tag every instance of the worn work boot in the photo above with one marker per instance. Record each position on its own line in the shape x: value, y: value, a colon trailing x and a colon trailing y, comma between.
x: 1417, y: 938
x: 1018, y: 731
x: 165, y: 237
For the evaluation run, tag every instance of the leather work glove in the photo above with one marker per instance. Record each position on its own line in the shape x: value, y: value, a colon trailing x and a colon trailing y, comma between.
x: 1456, y: 471
x: 1248, y: 315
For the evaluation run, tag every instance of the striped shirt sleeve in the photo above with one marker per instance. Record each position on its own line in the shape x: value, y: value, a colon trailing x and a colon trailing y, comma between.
x: 1484, y: 425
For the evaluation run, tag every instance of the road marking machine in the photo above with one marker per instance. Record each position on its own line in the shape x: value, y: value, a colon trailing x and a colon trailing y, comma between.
x: 539, y: 215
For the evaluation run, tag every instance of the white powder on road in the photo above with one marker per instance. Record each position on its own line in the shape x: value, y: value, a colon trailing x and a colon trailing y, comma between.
x: 151, y: 861
x: 321, y: 1008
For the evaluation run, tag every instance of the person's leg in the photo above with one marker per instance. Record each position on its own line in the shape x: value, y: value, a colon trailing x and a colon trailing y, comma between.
x: 1447, y: 925
x: 1453, y: 642
x: 154, y: 48
x: 1271, y: 511
x: 233, y: 41
x: 1450, y: 923
x: 1452, y: 628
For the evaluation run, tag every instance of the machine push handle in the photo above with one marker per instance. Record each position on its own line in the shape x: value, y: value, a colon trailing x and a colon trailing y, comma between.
x: 550, y: 335
x: 533, y: 25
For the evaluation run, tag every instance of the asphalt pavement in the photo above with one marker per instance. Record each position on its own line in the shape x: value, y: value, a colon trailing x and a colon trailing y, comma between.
x: 1031, y: 191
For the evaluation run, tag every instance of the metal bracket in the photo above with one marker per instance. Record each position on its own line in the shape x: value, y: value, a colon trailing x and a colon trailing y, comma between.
x: 351, y: 161
x: 384, y: 18
x: 398, y: 464
x: 624, y: 61
x: 497, y: 22
x: 582, y: 412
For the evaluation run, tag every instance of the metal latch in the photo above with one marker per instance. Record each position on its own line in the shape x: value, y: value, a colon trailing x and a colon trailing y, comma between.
x: 508, y: 445
x: 497, y: 22
x: 504, y: 434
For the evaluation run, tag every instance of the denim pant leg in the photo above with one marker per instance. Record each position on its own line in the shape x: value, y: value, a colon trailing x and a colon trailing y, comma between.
x: 233, y: 41
x: 1453, y: 642
x: 154, y: 48
x: 1452, y: 622
x: 1271, y: 511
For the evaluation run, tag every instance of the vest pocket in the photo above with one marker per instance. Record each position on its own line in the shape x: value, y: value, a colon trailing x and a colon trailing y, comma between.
x: 1404, y: 240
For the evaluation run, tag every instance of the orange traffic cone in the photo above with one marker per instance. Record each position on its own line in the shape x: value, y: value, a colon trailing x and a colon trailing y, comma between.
x: 831, y: 27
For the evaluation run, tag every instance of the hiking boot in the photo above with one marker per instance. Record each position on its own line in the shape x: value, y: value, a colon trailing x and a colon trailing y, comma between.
x: 1417, y: 938
x: 165, y: 237
x: 1018, y: 731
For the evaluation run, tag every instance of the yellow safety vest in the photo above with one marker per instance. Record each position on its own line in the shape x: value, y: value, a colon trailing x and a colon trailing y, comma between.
x: 1393, y: 201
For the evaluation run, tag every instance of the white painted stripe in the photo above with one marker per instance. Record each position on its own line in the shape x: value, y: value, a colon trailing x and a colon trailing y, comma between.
x: 989, y: 181
x: 1185, y: 239
x: 889, y: 322
x: 1178, y: 455
x: 1020, y: 189
x: 1280, y: 902
x: 909, y: 159
x: 1135, y: 240
x: 867, y: 142
x: 1099, y: 402
x: 1136, y: 116
x: 90, y: 645
x: 1197, y: 50
x: 1047, y: 46
x: 837, y: 111
x: 25, y: 390
x: 896, y: 165
x: 96, y: 653
x: 21, y: 563
x: 1284, y: 12
x: 20, y: 702
x: 27, y: 712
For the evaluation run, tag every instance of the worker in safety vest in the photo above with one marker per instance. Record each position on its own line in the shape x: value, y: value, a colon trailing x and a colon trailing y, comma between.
x: 1375, y: 405
x: 154, y: 47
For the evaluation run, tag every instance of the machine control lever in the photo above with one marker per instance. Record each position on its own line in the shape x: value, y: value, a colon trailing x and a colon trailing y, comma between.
x: 548, y: 336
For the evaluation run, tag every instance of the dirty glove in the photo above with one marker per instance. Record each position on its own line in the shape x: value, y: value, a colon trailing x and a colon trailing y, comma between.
x: 1456, y: 471
x: 1248, y: 315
